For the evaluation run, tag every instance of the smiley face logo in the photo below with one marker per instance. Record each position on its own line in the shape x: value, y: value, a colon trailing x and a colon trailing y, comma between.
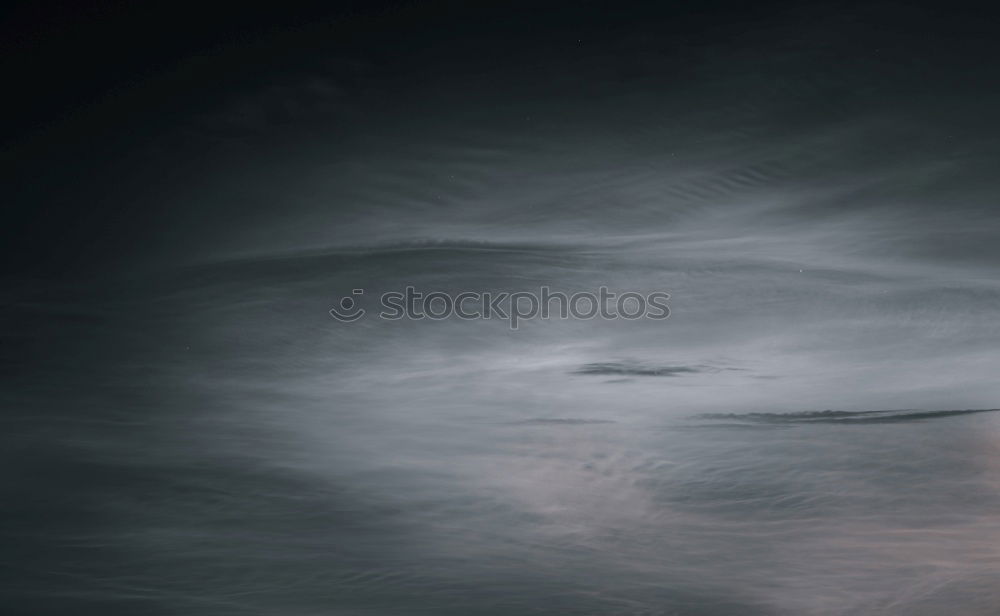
x: 348, y: 311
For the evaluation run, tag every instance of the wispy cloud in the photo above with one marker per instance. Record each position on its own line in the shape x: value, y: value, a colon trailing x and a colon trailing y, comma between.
x: 631, y: 368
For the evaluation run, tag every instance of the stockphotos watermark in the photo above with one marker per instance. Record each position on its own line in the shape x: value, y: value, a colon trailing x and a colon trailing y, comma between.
x: 511, y: 307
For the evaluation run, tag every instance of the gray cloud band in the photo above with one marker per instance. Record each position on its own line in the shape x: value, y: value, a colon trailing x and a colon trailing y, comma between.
x: 511, y: 307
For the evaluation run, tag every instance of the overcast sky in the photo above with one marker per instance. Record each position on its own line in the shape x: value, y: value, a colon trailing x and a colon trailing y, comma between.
x: 188, y: 191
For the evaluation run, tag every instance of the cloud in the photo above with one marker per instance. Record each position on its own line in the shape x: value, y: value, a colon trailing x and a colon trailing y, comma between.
x: 629, y: 368
x: 842, y: 416
x: 562, y: 421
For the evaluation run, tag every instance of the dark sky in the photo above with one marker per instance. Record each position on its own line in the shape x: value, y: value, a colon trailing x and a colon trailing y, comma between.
x: 156, y: 132
x: 188, y: 188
